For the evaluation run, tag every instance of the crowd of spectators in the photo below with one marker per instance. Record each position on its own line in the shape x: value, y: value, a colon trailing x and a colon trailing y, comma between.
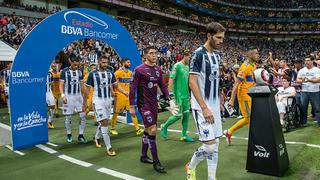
x: 277, y: 3
x: 18, y: 5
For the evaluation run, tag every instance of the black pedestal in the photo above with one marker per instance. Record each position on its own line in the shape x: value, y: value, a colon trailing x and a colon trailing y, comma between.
x: 267, y: 152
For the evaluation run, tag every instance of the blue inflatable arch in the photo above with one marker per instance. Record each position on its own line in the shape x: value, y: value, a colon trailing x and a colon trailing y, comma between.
x: 33, y: 59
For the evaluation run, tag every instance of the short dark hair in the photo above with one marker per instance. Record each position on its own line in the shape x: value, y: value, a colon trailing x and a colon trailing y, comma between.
x: 214, y: 27
x: 147, y: 49
x: 312, y: 58
x: 186, y: 52
x: 102, y: 57
x: 74, y: 58
x: 298, y: 61
x: 124, y: 60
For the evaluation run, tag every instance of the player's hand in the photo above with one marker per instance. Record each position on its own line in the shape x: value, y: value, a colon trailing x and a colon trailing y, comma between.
x: 231, y: 103
x: 64, y: 99
x: 208, y: 116
x: 173, y: 107
x: 132, y: 110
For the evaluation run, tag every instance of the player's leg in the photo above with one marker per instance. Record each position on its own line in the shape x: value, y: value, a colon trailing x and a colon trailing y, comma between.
x: 102, y: 110
x: 82, y: 120
x: 172, y: 119
x: 245, y: 108
x: 67, y: 110
x: 50, y: 108
x: 117, y: 109
x: 212, y: 161
x: 56, y: 103
x: 139, y: 131
x: 185, y: 120
x: 207, y: 137
x: 96, y: 138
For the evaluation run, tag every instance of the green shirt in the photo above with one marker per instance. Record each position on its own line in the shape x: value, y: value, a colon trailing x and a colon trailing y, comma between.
x: 180, y: 76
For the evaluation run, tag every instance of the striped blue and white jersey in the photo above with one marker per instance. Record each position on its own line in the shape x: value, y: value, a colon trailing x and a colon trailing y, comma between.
x: 72, y: 81
x: 206, y: 66
x: 49, y: 82
x: 102, y: 82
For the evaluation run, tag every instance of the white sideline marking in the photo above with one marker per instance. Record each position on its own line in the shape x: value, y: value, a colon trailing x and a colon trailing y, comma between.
x: 117, y: 174
x: 4, y: 126
x: 45, y: 148
x: 88, y: 165
x: 18, y: 152
x: 75, y: 161
x: 51, y: 144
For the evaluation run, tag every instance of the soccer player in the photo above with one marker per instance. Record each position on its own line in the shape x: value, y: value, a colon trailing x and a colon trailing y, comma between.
x: 241, y: 86
x: 205, y: 103
x: 4, y: 75
x: 179, y: 80
x: 102, y: 81
x: 123, y: 76
x: 90, y: 95
x: 71, y: 86
x: 146, y: 80
x: 50, y: 100
x: 55, y: 85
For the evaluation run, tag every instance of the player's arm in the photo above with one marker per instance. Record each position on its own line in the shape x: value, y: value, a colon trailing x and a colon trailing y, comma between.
x: 135, y: 82
x: 173, y: 73
x: 240, y: 77
x: 163, y: 87
x: 61, y: 87
x: 114, y: 85
x: 234, y: 92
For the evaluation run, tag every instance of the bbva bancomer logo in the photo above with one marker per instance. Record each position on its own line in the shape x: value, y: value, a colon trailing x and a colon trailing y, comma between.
x: 24, y: 77
x: 80, y: 27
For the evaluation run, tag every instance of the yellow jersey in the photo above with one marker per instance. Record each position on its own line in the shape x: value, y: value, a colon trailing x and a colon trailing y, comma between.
x: 55, y: 82
x: 123, y: 80
x: 245, y: 75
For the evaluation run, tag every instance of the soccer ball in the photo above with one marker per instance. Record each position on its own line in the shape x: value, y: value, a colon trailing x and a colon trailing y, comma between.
x: 261, y: 77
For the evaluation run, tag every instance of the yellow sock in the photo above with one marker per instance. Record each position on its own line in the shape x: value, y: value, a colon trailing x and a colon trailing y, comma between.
x: 135, y: 122
x: 114, y: 120
x: 244, y: 121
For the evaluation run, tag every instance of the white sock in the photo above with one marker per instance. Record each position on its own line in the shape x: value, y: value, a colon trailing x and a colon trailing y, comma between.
x: 106, y: 137
x: 67, y: 123
x: 212, y: 162
x: 51, y: 113
x: 200, y: 154
x: 82, y: 122
x: 97, y: 136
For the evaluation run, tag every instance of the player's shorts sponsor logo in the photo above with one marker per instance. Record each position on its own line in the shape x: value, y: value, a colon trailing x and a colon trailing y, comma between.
x: 24, y: 77
x: 29, y: 120
x: 261, y: 152
x: 81, y: 24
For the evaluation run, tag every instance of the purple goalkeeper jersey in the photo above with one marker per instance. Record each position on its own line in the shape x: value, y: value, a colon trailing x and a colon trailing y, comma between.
x: 146, y: 80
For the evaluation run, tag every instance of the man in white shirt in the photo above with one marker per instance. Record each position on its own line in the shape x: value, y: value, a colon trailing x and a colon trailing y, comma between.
x: 282, y: 97
x: 309, y: 78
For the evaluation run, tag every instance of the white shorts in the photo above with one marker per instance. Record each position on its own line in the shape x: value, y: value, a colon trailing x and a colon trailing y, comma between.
x: 74, y: 104
x: 50, y: 99
x: 205, y: 130
x: 102, y: 108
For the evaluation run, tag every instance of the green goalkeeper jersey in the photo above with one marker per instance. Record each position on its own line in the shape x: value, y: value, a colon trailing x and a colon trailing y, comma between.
x: 180, y: 76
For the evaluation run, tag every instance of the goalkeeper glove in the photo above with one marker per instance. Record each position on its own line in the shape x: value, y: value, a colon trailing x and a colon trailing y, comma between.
x: 173, y: 107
